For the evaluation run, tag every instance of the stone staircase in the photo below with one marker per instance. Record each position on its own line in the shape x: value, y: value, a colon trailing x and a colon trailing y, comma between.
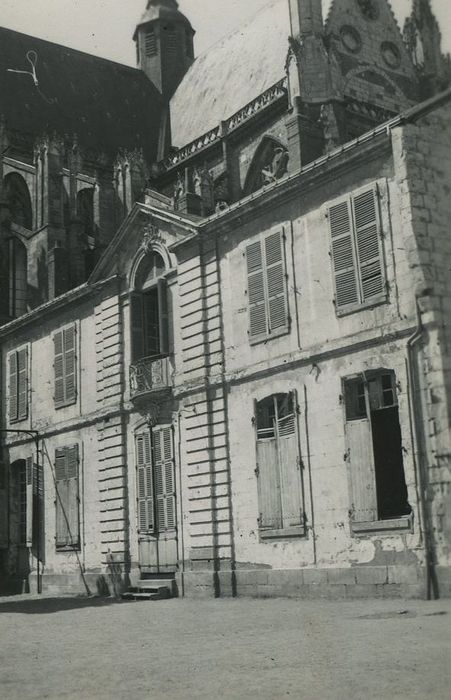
x: 153, y: 588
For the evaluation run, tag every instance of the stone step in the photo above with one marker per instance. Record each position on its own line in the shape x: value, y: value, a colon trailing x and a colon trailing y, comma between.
x: 156, y: 584
x: 161, y: 594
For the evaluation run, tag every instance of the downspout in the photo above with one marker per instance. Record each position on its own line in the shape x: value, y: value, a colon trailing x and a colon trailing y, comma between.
x: 182, y: 525
x: 419, y: 464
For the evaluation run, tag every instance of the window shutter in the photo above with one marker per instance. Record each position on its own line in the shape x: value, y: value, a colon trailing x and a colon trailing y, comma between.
x: 73, y: 496
x: 164, y: 478
x: 144, y: 483
x: 290, y: 467
x: 30, y: 499
x: 13, y: 414
x: 70, y: 384
x: 258, y: 324
x: 343, y: 256
x: 276, y: 282
x: 268, y: 483
x: 22, y: 384
x: 163, y: 316
x: 62, y: 535
x: 367, y: 232
x: 137, y: 326
x: 58, y: 343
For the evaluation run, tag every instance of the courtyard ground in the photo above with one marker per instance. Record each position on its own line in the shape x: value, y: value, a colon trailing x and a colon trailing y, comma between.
x: 97, y: 649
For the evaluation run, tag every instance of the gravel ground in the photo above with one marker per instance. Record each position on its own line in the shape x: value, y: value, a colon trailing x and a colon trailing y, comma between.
x: 267, y: 649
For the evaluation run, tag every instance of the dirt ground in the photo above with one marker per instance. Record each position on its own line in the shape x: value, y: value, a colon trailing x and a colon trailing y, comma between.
x: 235, y: 649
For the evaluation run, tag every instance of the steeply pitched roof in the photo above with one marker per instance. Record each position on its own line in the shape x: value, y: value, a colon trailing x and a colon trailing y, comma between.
x: 232, y: 73
x: 106, y: 104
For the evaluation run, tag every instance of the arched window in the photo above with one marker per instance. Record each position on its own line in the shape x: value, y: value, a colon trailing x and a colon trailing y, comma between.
x: 19, y: 200
x: 18, y: 278
x: 149, y: 309
x: 268, y: 165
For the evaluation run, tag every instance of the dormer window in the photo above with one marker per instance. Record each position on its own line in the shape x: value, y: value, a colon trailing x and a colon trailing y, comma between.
x: 149, y: 310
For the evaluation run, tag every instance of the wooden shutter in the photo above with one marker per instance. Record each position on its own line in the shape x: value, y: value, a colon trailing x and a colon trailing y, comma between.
x: 3, y: 507
x: 22, y: 384
x: 268, y: 481
x: 146, y: 522
x: 13, y: 404
x: 361, y: 460
x: 258, y: 324
x: 164, y: 478
x: 61, y: 535
x: 290, y: 467
x: 276, y: 282
x: 58, y: 364
x: 30, y: 501
x: 343, y: 255
x: 163, y: 316
x: 70, y: 384
x: 367, y: 235
x: 67, y: 497
x: 137, y: 326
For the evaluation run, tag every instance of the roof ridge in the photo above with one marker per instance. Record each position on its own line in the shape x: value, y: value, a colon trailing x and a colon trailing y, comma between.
x: 70, y: 48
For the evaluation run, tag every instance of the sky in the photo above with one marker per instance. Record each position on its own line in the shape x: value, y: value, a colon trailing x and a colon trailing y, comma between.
x: 105, y: 27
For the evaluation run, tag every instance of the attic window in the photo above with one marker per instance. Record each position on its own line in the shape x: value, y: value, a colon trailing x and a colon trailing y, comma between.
x: 151, y: 43
x: 171, y: 38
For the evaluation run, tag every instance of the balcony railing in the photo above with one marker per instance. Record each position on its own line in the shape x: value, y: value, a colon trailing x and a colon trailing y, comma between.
x: 150, y: 375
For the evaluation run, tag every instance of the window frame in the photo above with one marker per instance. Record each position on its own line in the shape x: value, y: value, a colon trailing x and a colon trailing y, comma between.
x: 59, y: 452
x: 268, y: 334
x: 71, y: 400
x: 383, y: 296
x: 19, y: 416
x: 285, y: 531
x: 376, y: 526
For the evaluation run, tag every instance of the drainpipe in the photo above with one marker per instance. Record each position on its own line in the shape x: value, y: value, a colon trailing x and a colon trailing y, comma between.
x: 420, y: 465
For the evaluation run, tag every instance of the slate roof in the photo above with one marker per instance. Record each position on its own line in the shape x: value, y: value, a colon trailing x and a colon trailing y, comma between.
x: 231, y: 74
x: 108, y: 105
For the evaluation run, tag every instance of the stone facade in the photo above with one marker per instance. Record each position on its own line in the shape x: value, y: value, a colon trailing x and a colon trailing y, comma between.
x: 247, y: 385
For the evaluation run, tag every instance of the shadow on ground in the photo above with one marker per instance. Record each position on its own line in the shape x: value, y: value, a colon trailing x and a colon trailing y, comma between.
x: 44, y: 606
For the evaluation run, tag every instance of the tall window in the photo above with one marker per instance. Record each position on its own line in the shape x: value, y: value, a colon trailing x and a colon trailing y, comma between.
x: 65, y: 369
x: 356, y: 249
x: 155, y: 480
x: 18, y: 278
x: 378, y: 484
x: 150, y: 43
x: 67, y: 498
x: 267, y: 287
x: 19, y: 200
x: 149, y: 310
x: 18, y: 385
x: 279, y: 467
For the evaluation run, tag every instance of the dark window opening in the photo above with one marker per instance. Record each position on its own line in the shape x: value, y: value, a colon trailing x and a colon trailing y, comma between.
x: 171, y: 38
x: 22, y: 514
x: 19, y: 200
x: 189, y: 44
x: 149, y: 310
x: 379, y: 488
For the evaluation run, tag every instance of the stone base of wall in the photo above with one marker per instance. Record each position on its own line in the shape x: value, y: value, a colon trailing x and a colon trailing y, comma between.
x: 93, y: 582
x: 443, y: 574
x: 333, y: 584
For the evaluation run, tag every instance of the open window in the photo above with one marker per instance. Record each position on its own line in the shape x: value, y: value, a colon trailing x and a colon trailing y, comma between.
x: 278, y: 467
x: 377, y: 478
x: 149, y: 310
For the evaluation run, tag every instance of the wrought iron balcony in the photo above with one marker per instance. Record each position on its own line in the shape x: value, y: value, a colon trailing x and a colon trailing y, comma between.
x: 150, y: 375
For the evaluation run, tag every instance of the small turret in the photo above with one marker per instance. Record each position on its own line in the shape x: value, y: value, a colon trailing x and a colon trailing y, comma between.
x: 164, y: 45
x: 423, y: 39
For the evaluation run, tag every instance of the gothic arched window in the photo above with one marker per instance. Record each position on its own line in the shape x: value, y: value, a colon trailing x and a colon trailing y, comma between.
x: 268, y: 165
x: 19, y: 200
x: 18, y: 278
x: 85, y: 213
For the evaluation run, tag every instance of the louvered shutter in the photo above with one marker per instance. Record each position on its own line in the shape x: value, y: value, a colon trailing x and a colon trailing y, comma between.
x: 22, y: 384
x: 137, y: 326
x: 62, y: 500
x: 258, y: 324
x: 268, y: 482
x: 144, y: 483
x: 164, y: 478
x: 290, y: 467
x: 30, y: 501
x: 73, y: 496
x: 13, y: 405
x: 367, y: 234
x: 58, y: 364
x: 276, y: 282
x: 163, y: 316
x: 70, y: 384
x: 343, y: 256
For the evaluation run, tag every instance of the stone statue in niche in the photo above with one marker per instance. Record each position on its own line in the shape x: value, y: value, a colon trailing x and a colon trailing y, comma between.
x: 278, y: 166
x: 328, y: 121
